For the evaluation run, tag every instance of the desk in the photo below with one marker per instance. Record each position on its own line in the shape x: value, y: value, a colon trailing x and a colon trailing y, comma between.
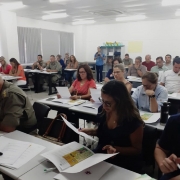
x: 36, y: 73
x: 10, y: 78
x: 17, y: 135
x: 113, y: 173
x: 134, y: 79
x: 174, y: 96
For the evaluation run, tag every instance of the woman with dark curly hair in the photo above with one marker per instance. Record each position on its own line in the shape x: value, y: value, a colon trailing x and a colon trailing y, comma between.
x: 80, y: 87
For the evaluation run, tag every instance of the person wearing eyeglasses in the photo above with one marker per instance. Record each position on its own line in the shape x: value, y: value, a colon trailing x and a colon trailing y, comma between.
x: 80, y: 89
x: 150, y: 95
x: 5, y: 67
x: 120, y: 128
x: 118, y: 72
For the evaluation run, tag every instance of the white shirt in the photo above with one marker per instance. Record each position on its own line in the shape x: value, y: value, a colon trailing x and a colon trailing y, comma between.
x: 171, y: 80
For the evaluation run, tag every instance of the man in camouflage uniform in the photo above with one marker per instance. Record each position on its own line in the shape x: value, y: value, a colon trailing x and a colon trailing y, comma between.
x: 16, y: 111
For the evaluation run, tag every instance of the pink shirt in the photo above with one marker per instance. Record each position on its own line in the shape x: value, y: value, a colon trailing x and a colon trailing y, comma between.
x: 83, y: 90
x: 6, y: 70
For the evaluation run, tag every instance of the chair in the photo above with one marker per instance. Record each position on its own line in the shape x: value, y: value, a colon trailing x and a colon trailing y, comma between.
x: 41, y: 111
x: 148, y: 146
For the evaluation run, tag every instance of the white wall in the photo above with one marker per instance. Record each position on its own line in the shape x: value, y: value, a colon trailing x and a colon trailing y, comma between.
x: 77, y: 30
x: 8, y: 35
x: 159, y: 37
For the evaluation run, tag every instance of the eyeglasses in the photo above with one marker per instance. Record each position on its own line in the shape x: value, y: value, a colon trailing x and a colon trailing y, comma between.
x: 105, y: 102
x: 82, y: 72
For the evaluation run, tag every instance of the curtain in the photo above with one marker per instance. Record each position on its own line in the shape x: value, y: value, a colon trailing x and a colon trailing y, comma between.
x: 29, y: 44
x: 66, y: 43
x: 50, y: 43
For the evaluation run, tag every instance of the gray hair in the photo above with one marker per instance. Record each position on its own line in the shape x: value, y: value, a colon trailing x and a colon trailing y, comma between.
x: 139, y: 58
x: 120, y: 66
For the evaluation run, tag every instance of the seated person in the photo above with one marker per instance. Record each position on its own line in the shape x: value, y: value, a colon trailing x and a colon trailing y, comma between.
x: 127, y: 61
x: 80, y: 87
x: 148, y: 63
x: 121, y: 127
x: 61, y: 61
x: 39, y: 65
x: 159, y: 66
x: 137, y: 69
x: 167, y: 151
x: 150, y: 95
x: 17, y: 70
x: 54, y: 66
x: 73, y: 64
x: 109, y: 74
x: 16, y: 111
x: 118, y: 72
x: 171, y: 78
x: 5, y: 68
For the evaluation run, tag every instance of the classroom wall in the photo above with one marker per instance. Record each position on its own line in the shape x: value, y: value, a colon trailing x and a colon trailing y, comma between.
x: 77, y: 30
x: 159, y: 37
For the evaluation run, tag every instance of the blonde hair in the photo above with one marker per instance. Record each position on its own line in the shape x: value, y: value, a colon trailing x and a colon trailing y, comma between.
x: 120, y: 66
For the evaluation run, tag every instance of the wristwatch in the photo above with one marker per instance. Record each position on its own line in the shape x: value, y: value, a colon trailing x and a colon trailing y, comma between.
x: 152, y: 96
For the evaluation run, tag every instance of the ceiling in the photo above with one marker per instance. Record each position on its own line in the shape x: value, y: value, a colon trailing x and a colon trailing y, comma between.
x: 102, y: 11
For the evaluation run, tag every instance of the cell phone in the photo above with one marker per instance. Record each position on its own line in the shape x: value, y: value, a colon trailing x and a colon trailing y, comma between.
x: 50, y: 99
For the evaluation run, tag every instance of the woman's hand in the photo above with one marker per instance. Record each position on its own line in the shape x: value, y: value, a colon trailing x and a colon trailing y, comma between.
x: 110, y: 149
x: 92, y: 100
x: 169, y: 164
x: 58, y: 96
x: 48, y: 70
x: 87, y: 131
x: 75, y: 97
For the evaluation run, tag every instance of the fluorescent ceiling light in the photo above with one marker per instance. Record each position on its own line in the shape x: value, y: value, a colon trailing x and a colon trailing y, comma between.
x: 177, y: 13
x: 170, y: 2
x: 12, y: 6
x: 131, y: 18
x: 135, y: 5
x: 54, y: 1
x: 54, y: 11
x: 54, y: 16
x: 83, y: 22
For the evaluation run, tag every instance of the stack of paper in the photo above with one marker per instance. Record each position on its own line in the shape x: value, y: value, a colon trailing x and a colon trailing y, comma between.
x: 17, y: 153
x: 74, y: 158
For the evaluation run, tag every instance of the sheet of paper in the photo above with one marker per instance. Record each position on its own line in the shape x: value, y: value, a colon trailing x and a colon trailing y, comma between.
x: 149, y: 117
x: 145, y: 177
x: 92, y: 173
x: 76, y: 130
x: 95, y: 94
x: 12, y: 151
x: 56, y: 156
x: 135, y: 46
x: 64, y: 92
x: 69, y: 101
x: 92, y: 105
x: 30, y: 153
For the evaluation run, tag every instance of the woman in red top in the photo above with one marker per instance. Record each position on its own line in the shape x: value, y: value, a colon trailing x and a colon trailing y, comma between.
x: 17, y: 70
x: 5, y: 68
x: 80, y: 87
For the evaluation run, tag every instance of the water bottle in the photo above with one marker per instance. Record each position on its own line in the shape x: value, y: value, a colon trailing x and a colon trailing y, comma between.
x: 164, y: 112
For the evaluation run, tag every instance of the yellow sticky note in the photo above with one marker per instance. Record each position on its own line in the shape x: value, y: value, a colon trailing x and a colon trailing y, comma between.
x: 135, y: 46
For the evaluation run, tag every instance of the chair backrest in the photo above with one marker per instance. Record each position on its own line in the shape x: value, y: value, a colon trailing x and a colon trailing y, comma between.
x: 148, y: 145
x: 41, y: 111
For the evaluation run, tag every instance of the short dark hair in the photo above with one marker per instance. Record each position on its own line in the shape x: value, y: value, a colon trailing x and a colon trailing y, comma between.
x: 168, y: 55
x: 126, y: 54
x: 59, y: 56
x: 160, y: 57
x: 151, y: 77
x: 88, y: 71
x: 176, y: 60
x: 116, y: 59
x: 40, y: 55
x: 52, y: 56
x: 139, y: 58
x: 125, y: 106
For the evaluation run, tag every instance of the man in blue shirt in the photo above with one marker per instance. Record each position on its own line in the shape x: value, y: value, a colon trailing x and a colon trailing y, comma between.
x: 167, y: 151
x: 151, y: 95
x: 99, y: 58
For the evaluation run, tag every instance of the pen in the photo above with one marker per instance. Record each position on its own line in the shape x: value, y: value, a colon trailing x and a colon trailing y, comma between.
x: 1, y: 153
x: 178, y: 165
x: 49, y: 169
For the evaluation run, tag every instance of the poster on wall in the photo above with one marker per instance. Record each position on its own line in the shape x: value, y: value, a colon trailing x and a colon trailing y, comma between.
x: 135, y: 46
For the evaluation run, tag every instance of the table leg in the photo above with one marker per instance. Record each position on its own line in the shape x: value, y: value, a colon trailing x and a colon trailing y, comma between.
x: 37, y: 84
x: 50, y: 84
